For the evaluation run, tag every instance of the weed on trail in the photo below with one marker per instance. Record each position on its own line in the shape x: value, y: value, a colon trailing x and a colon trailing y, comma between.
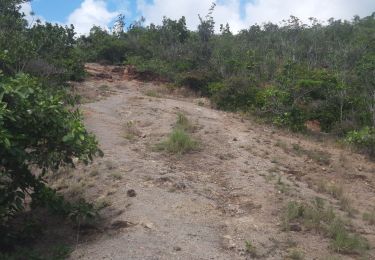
x: 183, y: 123
x: 316, y: 216
x: 295, y: 254
x: 131, y: 131
x: 251, y: 249
x: 179, y: 141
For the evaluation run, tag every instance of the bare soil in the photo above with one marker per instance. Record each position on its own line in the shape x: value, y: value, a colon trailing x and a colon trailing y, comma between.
x: 205, y: 204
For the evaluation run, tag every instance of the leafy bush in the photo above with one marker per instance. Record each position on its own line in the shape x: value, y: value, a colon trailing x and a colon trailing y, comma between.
x: 155, y: 67
x: 197, y: 80
x: 364, y: 139
x: 37, y: 131
x: 235, y: 93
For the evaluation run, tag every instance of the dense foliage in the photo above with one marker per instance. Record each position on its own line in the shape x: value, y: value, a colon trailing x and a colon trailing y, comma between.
x: 39, y: 128
x: 290, y: 73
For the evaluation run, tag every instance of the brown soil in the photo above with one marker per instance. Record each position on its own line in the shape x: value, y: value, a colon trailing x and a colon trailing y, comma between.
x: 205, y: 204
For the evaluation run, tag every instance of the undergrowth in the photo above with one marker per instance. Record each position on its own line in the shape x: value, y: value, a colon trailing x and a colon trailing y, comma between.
x: 322, y: 219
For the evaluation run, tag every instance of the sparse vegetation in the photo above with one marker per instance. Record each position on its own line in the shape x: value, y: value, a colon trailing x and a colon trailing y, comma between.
x: 131, y: 131
x: 152, y: 93
x: 251, y: 249
x: 184, y: 124
x: 179, y: 141
x: 369, y: 217
x: 281, y: 186
x: 319, y: 156
x: 295, y: 254
x: 103, y: 88
x: 337, y: 192
x: 344, y: 242
x: 102, y: 202
x: 322, y: 219
x: 116, y: 175
x: 76, y: 189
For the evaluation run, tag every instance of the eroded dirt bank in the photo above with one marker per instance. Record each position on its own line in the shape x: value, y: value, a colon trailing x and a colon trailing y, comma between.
x: 207, y: 204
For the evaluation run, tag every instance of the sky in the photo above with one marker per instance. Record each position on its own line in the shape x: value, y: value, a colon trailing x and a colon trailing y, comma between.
x: 240, y: 14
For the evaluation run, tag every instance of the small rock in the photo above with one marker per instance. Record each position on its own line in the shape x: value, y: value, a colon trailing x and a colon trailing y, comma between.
x: 148, y: 225
x: 177, y: 248
x: 131, y: 193
x: 235, y: 139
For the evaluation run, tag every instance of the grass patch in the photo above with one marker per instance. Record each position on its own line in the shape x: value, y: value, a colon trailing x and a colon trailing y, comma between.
x: 251, y: 249
x: 295, y: 254
x: 183, y: 123
x: 282, y: 145
x: 77, y: 189
x: 131, y: 131
x: 102, y: 203
x: 316, y: 216
x: 152, y: 93
x: 103, y: 88
x: 179, y: 141
x: 337, y: 192
x: 369, y: 217
x: 116, y: 175
x: 320, y: 157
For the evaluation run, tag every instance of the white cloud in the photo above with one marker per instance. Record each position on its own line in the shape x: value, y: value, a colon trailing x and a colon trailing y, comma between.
x: 225, y: 11
x: 27, y: 10
x: 256, y: 11
x: 90, y: 13
x: 276, y: 10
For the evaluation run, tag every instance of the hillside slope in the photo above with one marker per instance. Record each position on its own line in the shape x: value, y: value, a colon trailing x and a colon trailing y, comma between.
x: 208, y: 203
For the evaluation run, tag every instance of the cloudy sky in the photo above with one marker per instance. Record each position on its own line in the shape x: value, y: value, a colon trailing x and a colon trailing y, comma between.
x: 238, y: 13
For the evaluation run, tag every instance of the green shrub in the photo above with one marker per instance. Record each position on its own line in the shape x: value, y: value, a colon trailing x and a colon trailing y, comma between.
x: 233, y: 94
x: 152, y: 68
x: 37, y: 131
x: 363, y: 139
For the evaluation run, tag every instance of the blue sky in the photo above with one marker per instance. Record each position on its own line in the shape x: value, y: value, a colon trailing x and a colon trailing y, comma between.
x: 238, y: 13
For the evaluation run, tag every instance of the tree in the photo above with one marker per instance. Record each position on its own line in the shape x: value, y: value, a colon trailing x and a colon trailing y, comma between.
x: 119, y: 25
x: 39, y: 130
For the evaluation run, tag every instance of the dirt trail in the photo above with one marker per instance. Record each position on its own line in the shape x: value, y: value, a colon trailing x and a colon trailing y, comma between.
x: 206, y: 204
